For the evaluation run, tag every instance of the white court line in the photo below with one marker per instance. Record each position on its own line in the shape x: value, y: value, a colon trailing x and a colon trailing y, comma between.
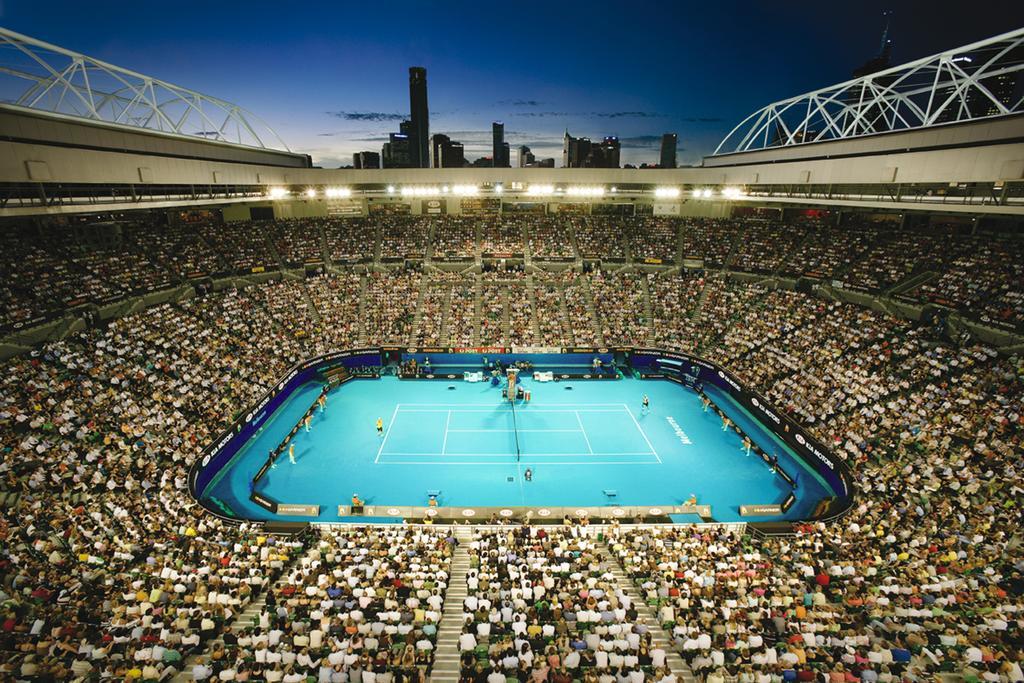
x: 585, y: 437
x: 444, y: 445
x: 529, y: 411
x: 494, y: 405
x: 490, y: 431
x: 642, y: 432
x: 525, y: 462
x: 509, y: 455
x: 385, y: 439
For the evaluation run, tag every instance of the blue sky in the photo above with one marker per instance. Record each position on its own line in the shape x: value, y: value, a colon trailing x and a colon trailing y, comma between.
x: 331, y: 78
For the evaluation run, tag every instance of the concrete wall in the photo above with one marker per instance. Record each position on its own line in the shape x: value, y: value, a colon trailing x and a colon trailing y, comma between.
x: 27, y: 125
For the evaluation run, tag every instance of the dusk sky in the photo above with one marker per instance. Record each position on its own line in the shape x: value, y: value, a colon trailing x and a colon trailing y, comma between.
x: 332, y: 79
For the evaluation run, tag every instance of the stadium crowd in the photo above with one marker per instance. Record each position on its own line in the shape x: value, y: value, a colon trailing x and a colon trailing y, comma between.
x: 110, y: 571
x: 541, y: 606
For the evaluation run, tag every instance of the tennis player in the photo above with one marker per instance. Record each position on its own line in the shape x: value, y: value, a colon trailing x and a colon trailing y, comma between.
x: 646, y: 408
x: 380, y: 426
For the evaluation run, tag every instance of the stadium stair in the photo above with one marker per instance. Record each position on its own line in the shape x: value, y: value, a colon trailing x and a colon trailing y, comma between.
x: 645, y: 292
x: 705, y: 291
x: 420, y: 296
x: 311, y: 305
x: 588, y: 295
x: 563, y: 310
x: 477, y: 307
x: 446, y: 654
x: 649, y: 618
x: 506, y: 319
x: 362, y: 310
x: 911, y: 283
x: 531, y: 297
x: 446, y: 306
x: 249, y: 614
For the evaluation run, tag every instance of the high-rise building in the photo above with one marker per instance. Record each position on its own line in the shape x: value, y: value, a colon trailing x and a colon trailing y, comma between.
x: 669, y: 142
x: 575, y: 151
x: 582, y: 153
x: 397, y: 151
x: 606, y: 155
x: 366, y: 160
x: 526, y: 157
x: 446, y: 153
x: 419, y: 118
x: 500, y: 150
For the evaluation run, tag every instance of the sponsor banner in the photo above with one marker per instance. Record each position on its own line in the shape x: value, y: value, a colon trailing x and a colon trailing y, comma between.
x: 30, y: 322
x: 537, y: 514
x: 760, y: 510
x: 478, y: 349
x: 653, y: 261
x: 998, y: 324
x: 264, y: 502
x: 536, y: 349
x: 297, y: 510
x: 262, y: 471
x: 574, y: 375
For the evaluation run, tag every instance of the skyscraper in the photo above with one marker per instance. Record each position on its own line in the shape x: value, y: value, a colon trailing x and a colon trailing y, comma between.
x: 526, y: 157
x: 582, y: 153
x: 366, y: 160
x: 500, y: 149
x: 446, y: 153
x: 419, y: 118
x: 606, y: 155
x: 397, y: 151
x: 575, y: 151
x: 669, y: 142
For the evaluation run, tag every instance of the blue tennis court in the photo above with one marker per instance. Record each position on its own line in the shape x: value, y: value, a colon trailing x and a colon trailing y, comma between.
x: 575, y: 435
x: 580, y: 439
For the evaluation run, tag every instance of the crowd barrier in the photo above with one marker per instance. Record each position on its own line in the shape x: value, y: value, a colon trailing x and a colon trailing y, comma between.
x: 550, y: 515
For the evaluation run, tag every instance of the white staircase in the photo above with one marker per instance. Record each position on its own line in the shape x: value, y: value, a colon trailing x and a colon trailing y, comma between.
x: 446, y: 655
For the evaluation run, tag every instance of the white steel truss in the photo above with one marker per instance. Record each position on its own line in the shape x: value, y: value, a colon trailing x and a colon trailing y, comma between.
x: 976, y: 81
x: 45, y: 77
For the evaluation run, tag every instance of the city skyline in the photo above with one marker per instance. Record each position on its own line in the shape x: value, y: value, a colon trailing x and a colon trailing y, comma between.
x: 333, y: 81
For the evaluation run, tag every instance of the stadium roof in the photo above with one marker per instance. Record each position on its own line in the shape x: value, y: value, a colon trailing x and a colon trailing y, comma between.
x: 976, y: 81
x: 44, y: 77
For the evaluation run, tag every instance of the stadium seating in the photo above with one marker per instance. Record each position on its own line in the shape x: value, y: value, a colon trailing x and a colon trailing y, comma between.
x: 111, y: 571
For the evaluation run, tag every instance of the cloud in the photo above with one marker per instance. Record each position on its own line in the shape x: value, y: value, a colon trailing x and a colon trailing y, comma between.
x: 520, y: 103
x: 640, y: 141
x: 542, y: 114
x: 325, y: 135
x: 627, y: 114
x: 367, y: 116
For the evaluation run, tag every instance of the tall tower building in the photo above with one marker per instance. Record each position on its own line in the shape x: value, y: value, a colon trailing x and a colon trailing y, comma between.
x: 500, y: 149
x: 419, y: 118
x: 669, y: 142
